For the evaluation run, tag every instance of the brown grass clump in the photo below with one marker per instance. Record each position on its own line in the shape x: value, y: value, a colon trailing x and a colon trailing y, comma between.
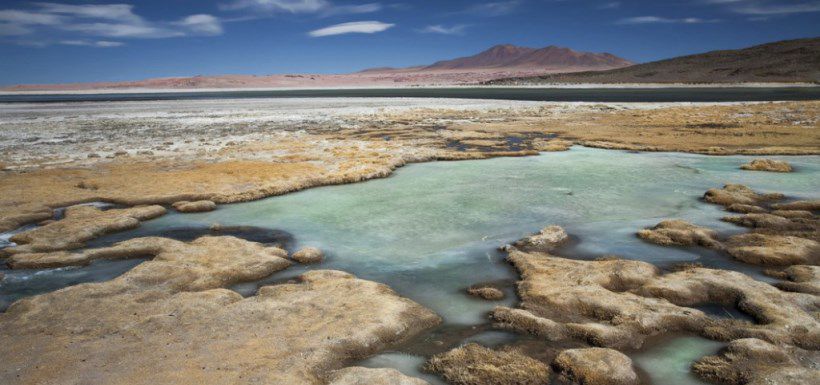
x: 767, y: 165
x: 732, y: 194
x: 474, y: 364
x: 809, y: 205
x: 773, y: 250
x: 194, y: 207
x: 753, y: 361
x: 82, y: 224
x: 596, y: 366
x: 486, y: 292
x: 680, y: 233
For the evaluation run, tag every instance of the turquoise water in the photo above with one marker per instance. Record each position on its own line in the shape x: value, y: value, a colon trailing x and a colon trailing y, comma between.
x: 670, y: 361
x: 432, y: 229
x: 406, y: 363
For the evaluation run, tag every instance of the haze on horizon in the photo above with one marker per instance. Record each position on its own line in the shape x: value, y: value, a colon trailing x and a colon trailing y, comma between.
x: 80, y: 41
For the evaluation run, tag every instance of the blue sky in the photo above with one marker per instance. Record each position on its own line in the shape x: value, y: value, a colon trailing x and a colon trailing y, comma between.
x: 68, y: 41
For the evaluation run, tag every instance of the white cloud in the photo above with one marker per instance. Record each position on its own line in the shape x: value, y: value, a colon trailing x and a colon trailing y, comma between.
x: 119, y: 12
x: 202, y: 24
x: 610, y: 5
x: 107, y: 44
x: 769, y: 7
x: 14, y: 30
x: 135, y: 31
x: 292, y: 6
x: 756, y: 10
x: 47, y: 20
x: 664, y: 20
x: 497, y: 8
x: 775, y: 9
x: 320, y: 7
x: 98, y: 43
x: 352, y: 27
x: 352, y: 9
x: 18, y: 17
x: 457, y: 29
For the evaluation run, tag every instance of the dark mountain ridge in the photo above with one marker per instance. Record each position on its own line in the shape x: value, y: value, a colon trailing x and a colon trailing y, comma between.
x: 783, y: 61
x: 508, y: 56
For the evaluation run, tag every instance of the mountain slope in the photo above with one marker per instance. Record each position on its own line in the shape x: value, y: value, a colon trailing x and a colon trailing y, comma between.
x: 510, y: 56
x: 497, y: 56
x: 784, y: 61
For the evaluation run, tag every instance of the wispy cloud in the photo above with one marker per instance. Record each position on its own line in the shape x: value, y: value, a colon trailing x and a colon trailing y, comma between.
x: 291, y: 6
x: 10, y: 29
x: 663, y: 20
x: 28, y: 18
x: 116, y: 12
x: 203, y: 24
x: 457, y: 29
x: 775, y: 9
x: 43, y: 22
x: 352, y: 9
x: 98, y: 43
x: 610, y: 5
x: 769, y: 7
x: 320, y: 7
x: 497, y: 8
x: 352, y: 27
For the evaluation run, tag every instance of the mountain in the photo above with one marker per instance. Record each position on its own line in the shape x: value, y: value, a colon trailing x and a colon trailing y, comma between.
x: 501, y: 61
x: 552, y: 57
x: 783, y: 61
x: 497, y: 56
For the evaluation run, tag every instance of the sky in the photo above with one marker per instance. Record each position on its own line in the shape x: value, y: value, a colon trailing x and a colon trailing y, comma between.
x: 78, y: 41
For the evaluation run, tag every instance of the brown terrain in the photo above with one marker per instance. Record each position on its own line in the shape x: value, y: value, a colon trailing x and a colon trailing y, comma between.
x: 132, y: 159
x: 324, y: 319
x: 502, y: 61
x: 594, y: 310
x: 174, y: 318
x: 784, y: 61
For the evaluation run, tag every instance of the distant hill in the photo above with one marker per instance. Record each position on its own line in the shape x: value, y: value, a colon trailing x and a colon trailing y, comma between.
x: 508, y: 56
x: 501, y: 61
x: 783, y: 61
x: 552, y: 57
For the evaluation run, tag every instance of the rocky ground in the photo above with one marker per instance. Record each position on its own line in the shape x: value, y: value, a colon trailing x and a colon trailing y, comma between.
x: 173, y: 320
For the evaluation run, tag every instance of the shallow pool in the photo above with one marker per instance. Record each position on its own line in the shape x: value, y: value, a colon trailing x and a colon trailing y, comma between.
x: 433, y: 229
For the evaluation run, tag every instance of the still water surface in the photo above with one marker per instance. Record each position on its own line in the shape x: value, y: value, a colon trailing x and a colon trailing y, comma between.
x: 699, y: 94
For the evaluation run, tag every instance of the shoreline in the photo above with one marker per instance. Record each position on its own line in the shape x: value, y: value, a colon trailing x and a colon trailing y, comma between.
x: 432, y: 87
x: 169, y: 200
x: 247, y: 151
